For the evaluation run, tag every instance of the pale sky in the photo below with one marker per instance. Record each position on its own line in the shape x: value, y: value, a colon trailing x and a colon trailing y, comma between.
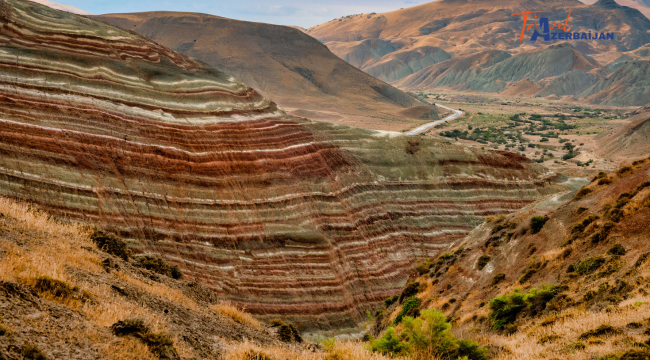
x: 303, y: 13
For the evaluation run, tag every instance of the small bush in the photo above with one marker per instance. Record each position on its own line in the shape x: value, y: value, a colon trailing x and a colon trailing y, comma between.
x: 537, y: 223
x: 367, y: 338
x: 498, y: 278
x: 505, y: 309
x: 602, y: 330
x: 159, y: 266
x: 636, y: 354
x: 624, y: 170
x: 276, y: 322
x: 288, y: 333
x: 589, y: 265
x: 584, y: 191
x: 581, y: 226
x: 483, y: 261
x: 605, y: 181
x: 642, y: 259
x: 410, y: 290
x: 602, y: 233
x: 31, y: 352
x: 423, y: 267
x: 412, y: 146
x: 548, y: 338
x: 159, y: 344
x: 390, y: 344
x: 410, y: 303
x: 617, y: 250
x: 56, y: 288
x: 110, y: 243
x: 430, y: 334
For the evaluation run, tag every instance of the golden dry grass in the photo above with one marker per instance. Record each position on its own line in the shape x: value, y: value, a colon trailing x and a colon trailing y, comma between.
x: 340, y: 350
x: 236, y: 313
x: 56, y: 250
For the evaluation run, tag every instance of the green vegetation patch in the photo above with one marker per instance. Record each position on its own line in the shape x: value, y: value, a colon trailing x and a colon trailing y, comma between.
x: 412, y: 303
x: 409, y: 290
x: 537, y: 223
x: 427, y: 336
x: 589, y: 265
x: 483, y: 261
x: 505, y: 309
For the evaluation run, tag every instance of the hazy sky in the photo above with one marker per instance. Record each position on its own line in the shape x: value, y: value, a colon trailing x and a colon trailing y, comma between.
x: 304, y: 13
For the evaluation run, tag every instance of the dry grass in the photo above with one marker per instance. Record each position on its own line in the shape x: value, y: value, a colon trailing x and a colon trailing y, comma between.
x: 236, y: 313
x: 569, y: 326
x: 339, y: 350
x: 56, y: 250
x: 162, y: 290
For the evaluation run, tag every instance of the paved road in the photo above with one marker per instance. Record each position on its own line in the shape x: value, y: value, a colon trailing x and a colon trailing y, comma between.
x: 428, y: 126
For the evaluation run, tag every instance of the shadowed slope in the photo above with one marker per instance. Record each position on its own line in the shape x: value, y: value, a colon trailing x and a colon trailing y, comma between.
x: 288, y: 217
x: 283, y: 63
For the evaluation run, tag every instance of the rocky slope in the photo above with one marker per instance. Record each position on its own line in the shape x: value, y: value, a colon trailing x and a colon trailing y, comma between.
x: 475, y: 46
x: 563, y: 278
x: 283, y: 63
x: 310, y: 221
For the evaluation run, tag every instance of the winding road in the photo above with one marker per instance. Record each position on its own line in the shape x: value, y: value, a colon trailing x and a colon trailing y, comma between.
x: 427, y: 126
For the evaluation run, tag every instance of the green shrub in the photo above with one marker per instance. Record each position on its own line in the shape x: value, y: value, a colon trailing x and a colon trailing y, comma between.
x: 482, y: 261
x: 602, y: 233
x: 642, y: 259
x: 584, y: 191
x: 617, y: 250
x: 589, y: 265
x: 410, y: 303
x: 581, y: 226
x: 423, y: 267
x: 499, y: 277
x: 430, y: 334
x: 537, y: 223
x: 159, y: 266
x: 410, y: 290
x: 505, y: 309
x: 110, y: 243
x: 390, y: 344
x: 276, y: 322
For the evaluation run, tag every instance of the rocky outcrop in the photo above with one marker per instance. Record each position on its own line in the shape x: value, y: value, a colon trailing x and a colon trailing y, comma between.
x: 289, y: 217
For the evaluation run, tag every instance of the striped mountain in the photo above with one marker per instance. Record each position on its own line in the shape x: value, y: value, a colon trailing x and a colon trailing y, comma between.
x: 310, y: 221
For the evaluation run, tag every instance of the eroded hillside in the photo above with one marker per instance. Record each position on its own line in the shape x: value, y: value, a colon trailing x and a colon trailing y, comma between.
x: 288, y: 217
x: 563, y: 278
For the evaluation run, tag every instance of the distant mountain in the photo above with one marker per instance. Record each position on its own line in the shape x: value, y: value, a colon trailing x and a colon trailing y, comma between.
x: 284, y: 63
x: 475, y: 45
x: 642, y: 5
x: 67, y: 8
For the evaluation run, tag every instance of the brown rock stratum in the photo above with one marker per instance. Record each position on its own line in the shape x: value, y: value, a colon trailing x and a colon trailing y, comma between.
x: 289, y: 217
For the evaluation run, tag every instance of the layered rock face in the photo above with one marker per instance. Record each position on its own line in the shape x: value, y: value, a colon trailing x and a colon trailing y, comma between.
x: 289, y: 217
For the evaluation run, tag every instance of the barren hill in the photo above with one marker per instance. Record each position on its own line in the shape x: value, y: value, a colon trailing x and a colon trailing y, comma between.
x: 475, y: 45
x: 283, y: 63
x: 309, y: 221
